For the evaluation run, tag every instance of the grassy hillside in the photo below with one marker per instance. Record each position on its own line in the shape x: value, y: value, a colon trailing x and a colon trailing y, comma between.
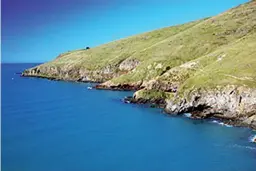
x: 220, y: 50
x: 115, y: 52
x: 225, y: 34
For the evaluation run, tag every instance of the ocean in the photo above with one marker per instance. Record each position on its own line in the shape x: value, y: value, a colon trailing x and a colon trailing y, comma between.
x: 63, y: 126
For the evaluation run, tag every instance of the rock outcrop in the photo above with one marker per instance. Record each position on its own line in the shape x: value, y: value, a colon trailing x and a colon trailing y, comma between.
x: 129, y: 64
x: 70, y: 73
x: 230, y: 103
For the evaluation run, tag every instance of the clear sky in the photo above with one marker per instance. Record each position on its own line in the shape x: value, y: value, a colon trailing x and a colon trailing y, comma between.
x: 39, y: 30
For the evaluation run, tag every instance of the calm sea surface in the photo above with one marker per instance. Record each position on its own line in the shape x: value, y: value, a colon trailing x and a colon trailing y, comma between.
x: 63, y: 126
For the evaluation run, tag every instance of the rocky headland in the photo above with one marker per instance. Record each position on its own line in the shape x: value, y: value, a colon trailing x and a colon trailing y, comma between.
x: 206, y: 67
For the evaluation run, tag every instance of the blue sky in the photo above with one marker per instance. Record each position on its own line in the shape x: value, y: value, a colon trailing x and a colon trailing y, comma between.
x: 39, y: 30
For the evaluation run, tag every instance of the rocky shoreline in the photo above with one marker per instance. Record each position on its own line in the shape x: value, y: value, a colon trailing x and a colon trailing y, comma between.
x: 124, y: 87
x: 196, y: 114
x: 232, y: 105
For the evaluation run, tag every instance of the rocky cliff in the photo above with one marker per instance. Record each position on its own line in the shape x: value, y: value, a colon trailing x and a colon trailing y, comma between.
x: 237, y: 105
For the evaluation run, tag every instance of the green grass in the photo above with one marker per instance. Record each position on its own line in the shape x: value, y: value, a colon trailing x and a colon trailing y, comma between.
x: 115, y: 52
x: 238, y: 67
x: 210, y: 52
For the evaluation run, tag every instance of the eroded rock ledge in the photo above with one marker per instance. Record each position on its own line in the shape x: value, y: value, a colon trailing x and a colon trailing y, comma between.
x: 108, y: 85
x: 236, y: 105
x: 71, y: 74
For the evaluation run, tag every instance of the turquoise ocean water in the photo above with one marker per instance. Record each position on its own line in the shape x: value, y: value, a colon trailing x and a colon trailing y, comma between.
x: 63, y: 126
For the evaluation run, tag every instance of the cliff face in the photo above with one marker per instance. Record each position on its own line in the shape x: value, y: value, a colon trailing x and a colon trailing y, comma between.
x: 235, y: 104
x: 70, y: 74
x: 206, y: 67
x: 73, y: 73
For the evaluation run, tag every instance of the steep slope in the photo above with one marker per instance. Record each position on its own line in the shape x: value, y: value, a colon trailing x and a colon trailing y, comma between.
x: 107, y: 61
x: 206, y: 67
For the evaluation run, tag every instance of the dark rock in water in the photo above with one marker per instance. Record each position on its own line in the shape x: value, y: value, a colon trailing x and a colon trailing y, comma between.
x: 128, y: 99
x: 153, y: 105
x: 123, y: 87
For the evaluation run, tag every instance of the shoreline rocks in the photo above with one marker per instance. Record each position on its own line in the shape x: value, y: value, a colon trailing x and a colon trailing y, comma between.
x: 152, y: 104
x: 237, y: 105
x: 231, y: 105
x: 120, y: 87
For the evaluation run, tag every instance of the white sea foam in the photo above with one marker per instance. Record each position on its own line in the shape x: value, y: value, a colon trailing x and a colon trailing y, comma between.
x: 188, y: 115
x: 227, y: 125
x: 214, y: 121
x: 252, y: 138
x: 222, y: 123
x: 89, y: 88
x: 246, y: 147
